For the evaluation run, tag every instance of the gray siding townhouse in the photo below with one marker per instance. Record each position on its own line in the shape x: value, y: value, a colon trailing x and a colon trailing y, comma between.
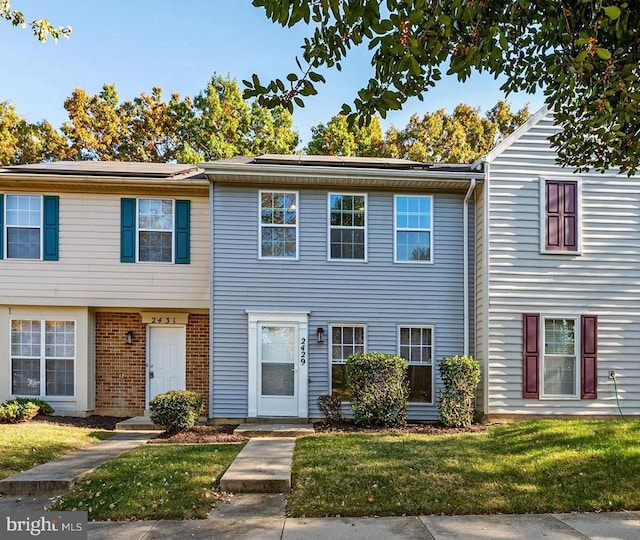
x: 316, y: 258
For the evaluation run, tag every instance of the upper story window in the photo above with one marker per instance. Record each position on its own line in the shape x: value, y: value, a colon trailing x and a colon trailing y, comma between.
x: 560, y: 216
x: 345, y: 341
x: 43, y: 358
x: 415, y: 344
x: 347, y: 226
x: 155, y: 230
x: 29, y: 225
x: 413, y: 226
x: 278, y: 224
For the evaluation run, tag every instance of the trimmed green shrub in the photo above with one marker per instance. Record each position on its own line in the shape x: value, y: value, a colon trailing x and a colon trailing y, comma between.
x: 14, y: 412
x: 43, y: 406
x: 331, y: 407
x: 176, y: 410
x: 378, y: 387
x: 460, y: 377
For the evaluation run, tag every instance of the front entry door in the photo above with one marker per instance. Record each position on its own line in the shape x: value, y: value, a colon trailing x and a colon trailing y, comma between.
x: 277, y: 370
x: 166, y: 359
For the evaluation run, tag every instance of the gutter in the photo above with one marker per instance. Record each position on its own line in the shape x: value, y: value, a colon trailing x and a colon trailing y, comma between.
x: 465, y: 264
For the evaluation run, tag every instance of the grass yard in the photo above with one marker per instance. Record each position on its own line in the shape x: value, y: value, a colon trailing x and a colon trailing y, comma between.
x: 529, y: 466
x: 153, y: 482
x: 23, y: 446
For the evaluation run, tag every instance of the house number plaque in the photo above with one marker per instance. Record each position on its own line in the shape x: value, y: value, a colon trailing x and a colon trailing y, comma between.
x: 303, y: 351
x: 160, y: 317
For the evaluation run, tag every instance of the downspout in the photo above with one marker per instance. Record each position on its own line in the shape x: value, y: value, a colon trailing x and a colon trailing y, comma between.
x: 211, y: 296
x: 465, y: 264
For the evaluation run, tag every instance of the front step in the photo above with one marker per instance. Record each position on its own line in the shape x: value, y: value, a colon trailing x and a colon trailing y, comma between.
x: 262, y: 466
x: 274, y: 430
x: 138, y: 423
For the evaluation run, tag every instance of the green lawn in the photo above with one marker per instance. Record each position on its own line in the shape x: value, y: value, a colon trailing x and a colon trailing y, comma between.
x: 23, y: 446
x: 153, y: 482
x: 532, y: 466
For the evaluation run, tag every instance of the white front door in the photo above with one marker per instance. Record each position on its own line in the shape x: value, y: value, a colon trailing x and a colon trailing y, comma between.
x: 277, y: 378
x: 166, y: 359
x: 278, y: 367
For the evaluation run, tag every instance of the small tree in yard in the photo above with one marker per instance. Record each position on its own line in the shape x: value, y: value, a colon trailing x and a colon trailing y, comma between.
x: 460, y: 377
x: 378, y: 387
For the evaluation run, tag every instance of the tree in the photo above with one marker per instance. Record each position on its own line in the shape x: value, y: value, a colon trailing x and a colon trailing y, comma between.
x: 24, y: 142
x: 585, y: 55
x: 41, y: 28
x: 337, y: 138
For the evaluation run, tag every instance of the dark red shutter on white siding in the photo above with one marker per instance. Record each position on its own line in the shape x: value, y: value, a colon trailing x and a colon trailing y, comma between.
x: 530, y: 355
x: 589, y: 357
x: 561, y: 215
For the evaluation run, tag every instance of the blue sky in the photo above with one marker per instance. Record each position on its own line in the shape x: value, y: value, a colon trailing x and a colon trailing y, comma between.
x: 139, y: 44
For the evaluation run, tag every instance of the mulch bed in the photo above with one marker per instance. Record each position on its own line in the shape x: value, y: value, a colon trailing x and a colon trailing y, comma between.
x: 222, y: 433
x: 94, y: 421
x: 433, y: 428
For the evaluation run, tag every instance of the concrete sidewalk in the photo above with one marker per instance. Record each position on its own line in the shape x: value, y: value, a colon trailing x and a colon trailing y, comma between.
x: 605, y: 526
x: 62, y: 473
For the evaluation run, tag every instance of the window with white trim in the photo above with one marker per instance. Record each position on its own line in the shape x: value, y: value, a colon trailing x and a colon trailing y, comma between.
x: 43, y: 358
x: 347, y: 226
x: 413, y: 226
x: 345, y: 341
x: 155, y: 230
x: 415, y: 345
x: 278, y: 224
x: 560, y: 360
x: 24, y: 226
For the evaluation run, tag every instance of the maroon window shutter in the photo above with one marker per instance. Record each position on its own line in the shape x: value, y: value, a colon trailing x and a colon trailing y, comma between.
x: 589, y: 357
x: 561, y: 215
x: 530, y: 355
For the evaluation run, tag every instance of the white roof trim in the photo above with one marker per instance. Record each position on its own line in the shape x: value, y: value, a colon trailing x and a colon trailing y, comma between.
x: 506, y: 143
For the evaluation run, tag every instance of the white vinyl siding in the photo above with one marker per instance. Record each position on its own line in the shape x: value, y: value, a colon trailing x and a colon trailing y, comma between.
x: 602, y: 281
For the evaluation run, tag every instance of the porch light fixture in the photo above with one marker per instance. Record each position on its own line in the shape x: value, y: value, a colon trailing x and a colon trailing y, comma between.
x: 320, y: 335
x: 128, y: 337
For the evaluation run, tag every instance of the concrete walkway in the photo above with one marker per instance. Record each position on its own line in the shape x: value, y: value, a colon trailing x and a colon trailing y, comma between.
x: 62, y: 473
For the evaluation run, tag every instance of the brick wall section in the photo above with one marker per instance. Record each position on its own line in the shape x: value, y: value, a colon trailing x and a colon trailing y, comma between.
x: 198, y: 355
x: 120, y: 368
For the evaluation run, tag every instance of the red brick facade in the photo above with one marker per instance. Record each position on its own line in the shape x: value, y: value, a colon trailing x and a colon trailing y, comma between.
x: 121, y: 368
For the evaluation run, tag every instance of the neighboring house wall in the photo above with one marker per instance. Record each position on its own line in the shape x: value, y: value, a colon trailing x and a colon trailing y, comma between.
x: 603, y: 279
x: 89, y: 271
x: 377, y: 293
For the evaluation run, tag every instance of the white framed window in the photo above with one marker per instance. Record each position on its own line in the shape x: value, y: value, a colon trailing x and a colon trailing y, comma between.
x: 560, y: 366
x: 347, y: 226
x: 413, y: 226
x: 155, y: 229
x: 278, y: 225
x: 43, y: 358
x: 415, y: 345
x: 23, y: 218
x: 346, y: 339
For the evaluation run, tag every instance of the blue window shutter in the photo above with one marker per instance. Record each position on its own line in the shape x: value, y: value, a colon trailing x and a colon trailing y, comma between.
x: 183, y: 232
x: 50, y: 227
x: 2, y: 235
x: 127, y: 230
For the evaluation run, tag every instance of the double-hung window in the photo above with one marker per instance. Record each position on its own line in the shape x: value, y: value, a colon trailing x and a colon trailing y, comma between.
x: 43, y: 357
x: 155, y: 230
x: 559, y: 361
x: 413, y: 226
x: 29, y: 225
x: 345, y: 341
x: 415, y: 344
x: 278, y: 224
x: 347, y: 226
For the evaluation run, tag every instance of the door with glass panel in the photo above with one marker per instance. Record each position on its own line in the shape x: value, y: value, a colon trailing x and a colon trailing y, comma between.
x: 277, y: 370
